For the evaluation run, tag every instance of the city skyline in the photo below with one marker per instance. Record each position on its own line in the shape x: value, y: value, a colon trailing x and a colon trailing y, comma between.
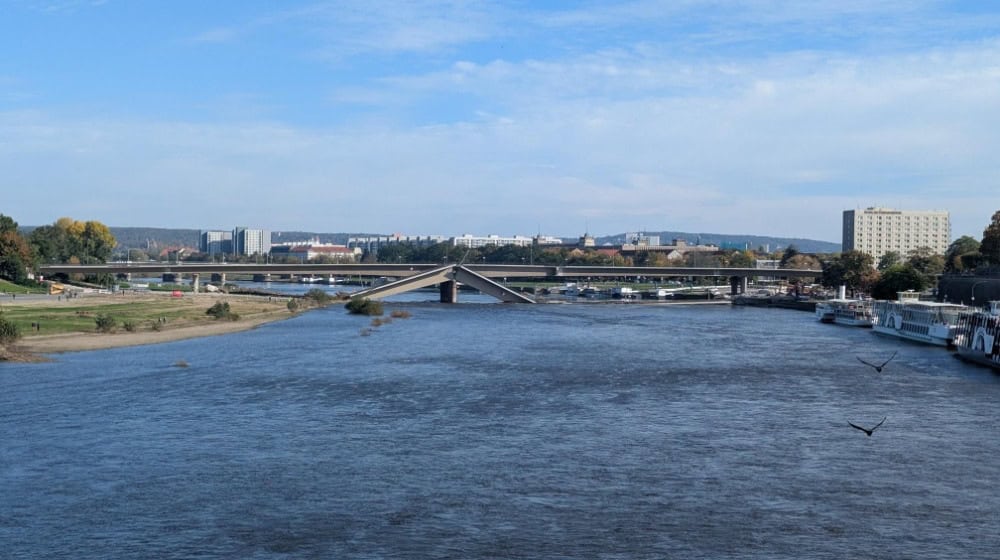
x: 757, y: 118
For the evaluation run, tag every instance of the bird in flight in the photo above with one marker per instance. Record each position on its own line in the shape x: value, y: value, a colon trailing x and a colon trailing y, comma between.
x: 878, y: 367
x: 867, y: 430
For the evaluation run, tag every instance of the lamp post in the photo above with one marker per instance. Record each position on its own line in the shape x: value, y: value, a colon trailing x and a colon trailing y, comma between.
x: 974, y: 284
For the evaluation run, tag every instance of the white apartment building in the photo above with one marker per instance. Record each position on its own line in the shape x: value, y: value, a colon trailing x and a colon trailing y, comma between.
x: 251, y: 242
x: 473, y: 241
x: 877, y: 231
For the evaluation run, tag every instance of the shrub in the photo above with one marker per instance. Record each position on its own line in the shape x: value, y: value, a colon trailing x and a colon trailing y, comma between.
x: 318, y: 296
x: 221, y: 310
x: 293, y: 305
x: 364, y: 306
x: 105, y: 323
x: 129, y: 326
x: 9, y: 332
x: 157, y: 326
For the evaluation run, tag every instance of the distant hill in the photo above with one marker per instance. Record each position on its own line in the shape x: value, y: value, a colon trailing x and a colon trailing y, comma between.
x: 159, y: 238
x: 731, y: 241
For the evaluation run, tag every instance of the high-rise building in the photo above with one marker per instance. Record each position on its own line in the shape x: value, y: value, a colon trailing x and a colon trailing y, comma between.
x: 877, y: 231
x: 251, y: 242
x: 216, y: 242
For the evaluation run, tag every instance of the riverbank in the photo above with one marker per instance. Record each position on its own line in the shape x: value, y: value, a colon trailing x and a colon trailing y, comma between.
x: 53, y: 326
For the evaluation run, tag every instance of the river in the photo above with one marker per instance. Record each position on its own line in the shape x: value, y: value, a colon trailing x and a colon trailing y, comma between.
x: 482, y: 430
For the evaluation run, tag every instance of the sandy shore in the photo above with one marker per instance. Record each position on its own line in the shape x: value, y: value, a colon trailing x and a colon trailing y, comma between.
x: 263, y: 311
x: 75, y: 342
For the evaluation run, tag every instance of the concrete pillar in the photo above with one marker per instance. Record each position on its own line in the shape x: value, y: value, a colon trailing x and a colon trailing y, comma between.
x: 744, y: 284
x: 449, y: 291
x: 195, y: 282
x: 734, y: 285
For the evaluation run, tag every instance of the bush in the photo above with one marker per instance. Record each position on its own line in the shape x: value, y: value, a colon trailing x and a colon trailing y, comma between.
x: 129, y: 326
x: 364, y: 306
x: 9, y: 332
x: 318, y: 296
x: 106, y: 323
x: 293, y: 305
x: 221, y: 310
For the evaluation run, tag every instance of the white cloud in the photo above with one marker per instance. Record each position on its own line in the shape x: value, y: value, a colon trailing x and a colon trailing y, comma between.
x: 621, y: 139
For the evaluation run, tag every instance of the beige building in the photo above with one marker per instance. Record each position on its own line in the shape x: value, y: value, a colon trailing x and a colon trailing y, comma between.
x: 877, y: 231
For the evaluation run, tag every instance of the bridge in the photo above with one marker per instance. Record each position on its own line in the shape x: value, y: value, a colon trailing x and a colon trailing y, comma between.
x: 412, y: 276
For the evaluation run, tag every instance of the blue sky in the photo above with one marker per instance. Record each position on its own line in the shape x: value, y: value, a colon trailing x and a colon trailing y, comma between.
x: 421, y: 117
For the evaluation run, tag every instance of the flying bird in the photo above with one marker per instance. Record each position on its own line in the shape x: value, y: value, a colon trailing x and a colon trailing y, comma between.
x: 878, y: 367
x: 866, y: 430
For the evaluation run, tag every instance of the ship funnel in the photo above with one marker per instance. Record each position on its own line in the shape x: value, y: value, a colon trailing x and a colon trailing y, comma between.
x: 842, y: 292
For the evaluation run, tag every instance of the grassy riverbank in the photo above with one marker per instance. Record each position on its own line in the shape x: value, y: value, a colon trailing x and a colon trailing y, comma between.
x: 71, y: 325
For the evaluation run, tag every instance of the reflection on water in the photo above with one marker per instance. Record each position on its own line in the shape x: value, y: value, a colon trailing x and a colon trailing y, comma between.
x: 504, y: 431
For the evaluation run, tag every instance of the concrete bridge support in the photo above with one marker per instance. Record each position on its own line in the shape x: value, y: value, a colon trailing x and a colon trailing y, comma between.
x: 449, y: 291
x: 738, y: 285
x: 195, y: 282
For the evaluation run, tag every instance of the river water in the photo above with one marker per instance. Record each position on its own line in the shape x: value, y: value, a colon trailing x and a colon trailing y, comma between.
x: 481, y: 430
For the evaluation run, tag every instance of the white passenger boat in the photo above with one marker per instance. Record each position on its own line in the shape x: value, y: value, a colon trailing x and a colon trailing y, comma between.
x: 977, y: 336
x: 929, y: 322
x: 851, y: 312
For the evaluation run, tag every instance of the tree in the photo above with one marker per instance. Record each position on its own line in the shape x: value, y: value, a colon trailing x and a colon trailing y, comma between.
x: 90, y: 242
x: 889, y: 259
x: 898, y: 278
x: 959, y: 248
x: 790, y: 252
x: 16, y: 255
x: 990, y: 246
x: 853, y: 269
x: 925, y: 261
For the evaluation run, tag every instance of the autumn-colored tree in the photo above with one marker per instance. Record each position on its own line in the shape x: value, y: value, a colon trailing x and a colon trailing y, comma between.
x: 90, y: 242
x: 15, y: 254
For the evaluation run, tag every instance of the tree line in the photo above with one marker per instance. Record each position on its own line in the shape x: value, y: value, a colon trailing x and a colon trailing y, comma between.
x: 64, y: 241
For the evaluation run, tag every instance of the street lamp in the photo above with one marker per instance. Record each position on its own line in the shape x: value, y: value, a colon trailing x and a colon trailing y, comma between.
x: 974, y: 284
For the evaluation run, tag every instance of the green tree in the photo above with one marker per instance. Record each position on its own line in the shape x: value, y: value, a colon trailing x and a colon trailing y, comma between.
x: 990, y: 246
x: 853, y: 269
x: 959, y: 248
x: 898, y: 278
x: 790, y: 252
x: 925, y: 261
x: 889, y: 259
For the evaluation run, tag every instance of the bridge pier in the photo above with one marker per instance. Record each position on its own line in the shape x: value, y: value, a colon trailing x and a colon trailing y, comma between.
x: 449, y: 291
x: 195, y: 282
x: 738, y: 285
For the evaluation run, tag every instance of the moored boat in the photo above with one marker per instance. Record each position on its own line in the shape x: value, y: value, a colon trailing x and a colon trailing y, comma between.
x: 977, y: 336
x: 928, y: 322
x: 850, y: 312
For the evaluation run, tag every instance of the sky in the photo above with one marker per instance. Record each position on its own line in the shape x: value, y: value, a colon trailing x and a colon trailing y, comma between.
x: 763, y: 117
